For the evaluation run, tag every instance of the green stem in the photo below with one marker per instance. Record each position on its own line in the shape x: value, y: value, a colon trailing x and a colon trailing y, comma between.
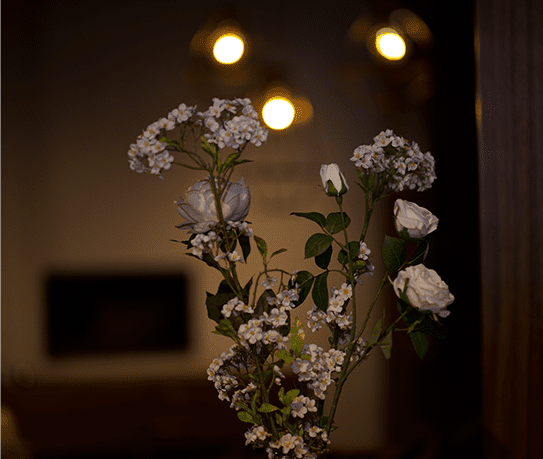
x: 232, y: 279
x: 381, y: 337
x: 383, y: 282
x: 350, y: 275
x: 265, y: 394
x: 369, y: 209
x: 345, y: 371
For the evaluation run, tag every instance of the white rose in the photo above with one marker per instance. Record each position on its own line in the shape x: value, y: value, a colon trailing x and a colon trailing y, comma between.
x: 331, y: 172
x: 417, y: 220
x: 200, y: 211
x: 425, y: 290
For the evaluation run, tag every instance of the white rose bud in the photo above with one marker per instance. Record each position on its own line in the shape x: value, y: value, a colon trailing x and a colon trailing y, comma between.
x: 200, y: 211
x: 417, y: 220
x: 331, y: 173
x: 425, y: 290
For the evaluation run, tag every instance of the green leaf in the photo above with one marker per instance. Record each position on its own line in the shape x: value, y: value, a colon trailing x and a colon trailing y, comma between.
x: 245, y: 417
x: 285, y: 355
x: 313, y: 216
x: 419, y: 342
x: 213, y: 307
x: 281, y: 395
x: 412, y: 316
x: 433, y: 328
x: 334, y: 223
x: 420, y: 253
x: 246, y: 290
x: 323, y: 260
x: 376, y: 332
x: 196, y: 168
x: 226, y: 328
x: 320, y: 291
x: 316, y: 244
x: 210, y: 148
x: 262, y: 304
x: 386, y: 345
x: 393, y: 253
x: 229, y: 161
x: 291, y: 395
x: 304, y: 279
x: 354, y: 249
x: 286, y: 411
x: 245, y: 243
x: 262, y: 246
x: 296, y: 337
x: 277, y: 252
x: 214, y: 303
x: 241, y: 161
x: 267, y: 408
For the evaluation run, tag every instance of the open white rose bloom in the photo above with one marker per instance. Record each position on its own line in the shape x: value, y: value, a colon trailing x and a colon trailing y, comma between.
x: 200, y: 211
x: 418, y: 221
x: 425, y: 289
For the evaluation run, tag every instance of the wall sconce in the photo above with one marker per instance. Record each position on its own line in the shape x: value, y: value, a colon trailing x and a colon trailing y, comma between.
x: 223, y: 43
x: 281, y: 109
x: 390, y: 44
x: 278, y: 112
x: 228, y: 48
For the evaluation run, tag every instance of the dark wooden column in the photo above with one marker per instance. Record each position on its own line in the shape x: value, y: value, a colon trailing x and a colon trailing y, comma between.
x: 509, y: 59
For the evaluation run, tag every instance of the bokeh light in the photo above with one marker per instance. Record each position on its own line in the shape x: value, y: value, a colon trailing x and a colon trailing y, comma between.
x: 278, y: 113
x: 390, y: 44
x: 228, y: 48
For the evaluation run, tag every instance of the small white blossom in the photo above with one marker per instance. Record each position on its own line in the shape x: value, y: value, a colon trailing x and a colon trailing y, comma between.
x: 269, y: 282
x: 364, y: 251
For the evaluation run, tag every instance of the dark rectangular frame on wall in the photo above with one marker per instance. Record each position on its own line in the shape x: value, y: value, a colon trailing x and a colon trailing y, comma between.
x: 90, y: 313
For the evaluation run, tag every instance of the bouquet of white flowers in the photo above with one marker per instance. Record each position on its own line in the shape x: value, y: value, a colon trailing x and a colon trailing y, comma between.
x: 267, y: 344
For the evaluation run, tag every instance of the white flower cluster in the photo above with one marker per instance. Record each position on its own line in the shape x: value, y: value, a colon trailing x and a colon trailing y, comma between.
x: 263, y: 330
x: 401, y: 160
x: 287, y: 443
x: 294, y: 446
x: 205, y: 242
x: 148, y: 154
x: 290, y: 445
x: 243, y: 396
x: 233, y: 123
x: 301, y: 405
x: 285, y: 298
x: 218, y: 371
x: 256, y: 433
x: 227, y: 123
x: 318, y: 368
x: 235, y: 306
x: 334, y: 313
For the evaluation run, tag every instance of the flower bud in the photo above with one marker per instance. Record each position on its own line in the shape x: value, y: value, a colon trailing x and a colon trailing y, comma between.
x: 333, y: 180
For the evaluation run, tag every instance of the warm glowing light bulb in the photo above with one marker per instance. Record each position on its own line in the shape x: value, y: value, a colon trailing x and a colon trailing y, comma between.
x: 228, y: 49
x: 278, y: 113
x: 390, y: 44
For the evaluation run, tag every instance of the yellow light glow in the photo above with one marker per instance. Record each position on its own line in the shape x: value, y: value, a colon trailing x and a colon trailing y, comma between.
x: 390, y: 44
x: 228, y: 48
x: 278, y: 113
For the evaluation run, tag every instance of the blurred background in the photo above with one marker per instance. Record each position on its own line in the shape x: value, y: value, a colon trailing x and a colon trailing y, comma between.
x: 105, y: 336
